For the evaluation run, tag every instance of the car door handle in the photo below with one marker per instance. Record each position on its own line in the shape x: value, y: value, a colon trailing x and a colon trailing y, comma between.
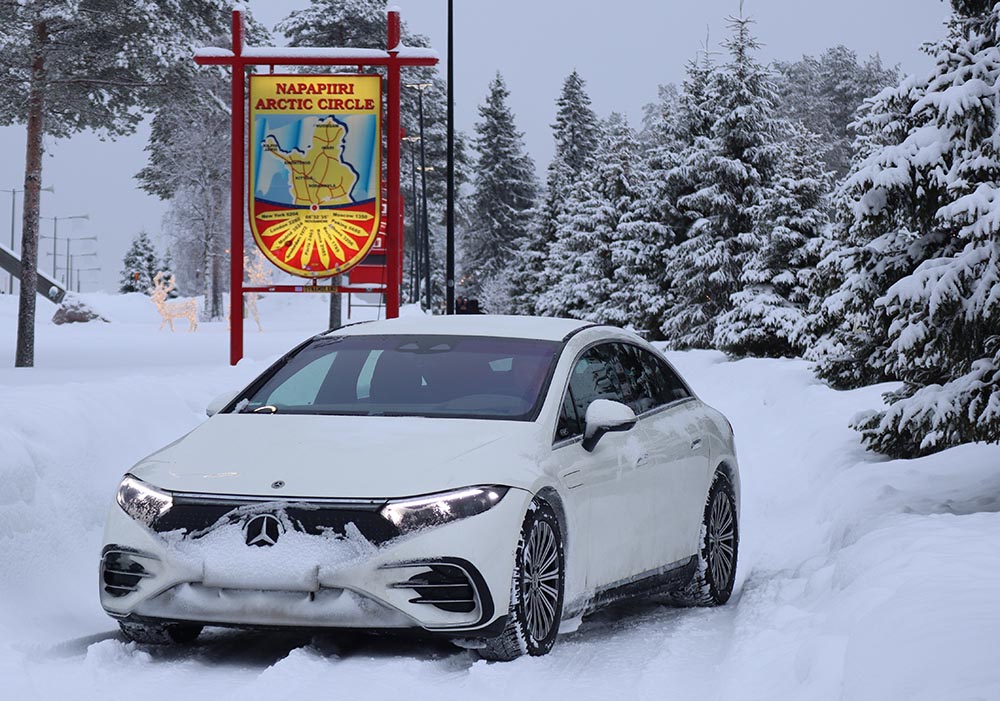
x: 695, y: 443
x: 642, y: 460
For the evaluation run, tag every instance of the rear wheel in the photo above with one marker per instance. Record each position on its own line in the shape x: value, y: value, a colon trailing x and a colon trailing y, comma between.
x: 712, y: 584
x: 536, y: 596
x: 160, y: 634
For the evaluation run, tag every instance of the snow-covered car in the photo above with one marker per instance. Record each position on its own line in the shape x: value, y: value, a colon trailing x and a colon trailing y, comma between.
x: 478, y: 477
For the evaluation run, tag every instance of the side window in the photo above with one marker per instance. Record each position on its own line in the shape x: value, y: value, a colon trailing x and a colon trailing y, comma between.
x: 594, y: 377
x: 569, y: 423
x: 638, y: 383
x: 670, y: 386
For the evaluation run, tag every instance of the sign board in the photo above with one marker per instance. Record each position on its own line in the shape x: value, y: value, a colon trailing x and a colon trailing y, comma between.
x: 315, y: 180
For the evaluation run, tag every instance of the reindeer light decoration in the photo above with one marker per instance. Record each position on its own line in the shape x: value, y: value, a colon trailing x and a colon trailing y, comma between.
x: 185, y: 309
x: 258, y: 274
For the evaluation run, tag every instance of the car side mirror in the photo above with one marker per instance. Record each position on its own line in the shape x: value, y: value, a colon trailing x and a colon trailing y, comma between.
x: 605, y: 416
x: 220, y: 402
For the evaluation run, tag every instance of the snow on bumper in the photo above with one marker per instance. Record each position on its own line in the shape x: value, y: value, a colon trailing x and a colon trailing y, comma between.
x: 316, y: 580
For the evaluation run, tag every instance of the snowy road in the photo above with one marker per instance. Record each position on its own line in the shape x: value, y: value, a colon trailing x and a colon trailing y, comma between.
x: 859, y: 578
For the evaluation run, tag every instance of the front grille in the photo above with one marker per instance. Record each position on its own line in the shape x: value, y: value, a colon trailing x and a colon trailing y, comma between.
x: 445, y: 586
x: 195, y: 516
x: 121, y: 572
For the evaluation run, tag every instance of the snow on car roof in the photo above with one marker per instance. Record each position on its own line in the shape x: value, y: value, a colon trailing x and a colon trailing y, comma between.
x: 543, y: 328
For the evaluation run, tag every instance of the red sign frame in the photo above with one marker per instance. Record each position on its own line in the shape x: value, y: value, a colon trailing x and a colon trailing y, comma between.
x: 239, y: 59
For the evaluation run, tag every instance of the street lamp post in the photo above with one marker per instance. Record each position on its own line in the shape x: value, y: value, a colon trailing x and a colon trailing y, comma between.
x: 415, y: 267
x: 420, y: 87
x: 13, y: 206
x: 83, y: 270
x: 55, y: 235
x: 449, y: 273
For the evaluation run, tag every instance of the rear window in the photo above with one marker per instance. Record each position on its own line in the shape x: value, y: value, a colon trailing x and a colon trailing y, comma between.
x: 436, y: 376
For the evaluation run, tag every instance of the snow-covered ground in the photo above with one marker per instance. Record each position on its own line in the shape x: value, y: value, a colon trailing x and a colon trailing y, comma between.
x: 860, y: 578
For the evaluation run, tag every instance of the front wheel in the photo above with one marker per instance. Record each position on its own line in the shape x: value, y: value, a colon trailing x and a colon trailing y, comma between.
x: 536, y: 596
x: 715, y: 575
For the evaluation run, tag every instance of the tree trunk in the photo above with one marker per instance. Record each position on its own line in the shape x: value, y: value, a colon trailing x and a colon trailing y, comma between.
x: 336, y: 308
x: 25, y: 354
x: 208, y: 312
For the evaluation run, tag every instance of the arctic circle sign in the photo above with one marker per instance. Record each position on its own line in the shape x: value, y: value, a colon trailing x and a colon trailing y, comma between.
x: 315, y: 180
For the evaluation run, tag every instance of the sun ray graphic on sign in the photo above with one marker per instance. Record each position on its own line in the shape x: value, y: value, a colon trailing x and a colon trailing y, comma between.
x: 325, y: 231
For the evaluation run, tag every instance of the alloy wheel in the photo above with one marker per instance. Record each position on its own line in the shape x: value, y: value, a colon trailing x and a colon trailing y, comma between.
x: 721, y: 539
x: 540, y: 580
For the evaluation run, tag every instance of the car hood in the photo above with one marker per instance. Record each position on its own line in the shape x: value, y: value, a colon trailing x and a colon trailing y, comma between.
x: 343, y: 456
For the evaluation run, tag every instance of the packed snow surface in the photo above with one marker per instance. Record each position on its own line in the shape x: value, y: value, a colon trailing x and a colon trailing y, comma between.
x: 859, y: 578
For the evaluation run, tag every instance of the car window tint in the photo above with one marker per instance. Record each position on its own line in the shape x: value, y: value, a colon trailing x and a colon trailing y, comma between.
x: 569, y: 423
x: 594, y: 377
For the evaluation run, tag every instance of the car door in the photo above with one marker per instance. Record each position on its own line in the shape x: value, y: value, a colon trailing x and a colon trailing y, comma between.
x: 678, y: 451
x: 605, y: 483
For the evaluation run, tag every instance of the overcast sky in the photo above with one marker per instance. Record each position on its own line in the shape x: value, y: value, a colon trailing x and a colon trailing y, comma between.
x: 623, y: 49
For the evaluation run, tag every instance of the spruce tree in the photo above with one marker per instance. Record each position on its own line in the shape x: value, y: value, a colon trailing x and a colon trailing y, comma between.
x: 504, y: 190
x: 576, y: 133
x: 929, y: 202
x: 735, y: 165
x: 824, y: 92
x: 769, y: 314
x: 580, y: 278
x: 139, y: 266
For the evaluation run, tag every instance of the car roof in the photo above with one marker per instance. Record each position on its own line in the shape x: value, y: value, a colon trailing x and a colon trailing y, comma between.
x: 542, y: 328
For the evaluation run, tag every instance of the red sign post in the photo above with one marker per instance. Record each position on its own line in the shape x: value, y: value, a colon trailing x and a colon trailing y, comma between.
x: 239, y: 59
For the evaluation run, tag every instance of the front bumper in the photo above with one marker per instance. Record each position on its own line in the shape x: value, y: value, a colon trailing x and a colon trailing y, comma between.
x: 452, y: 579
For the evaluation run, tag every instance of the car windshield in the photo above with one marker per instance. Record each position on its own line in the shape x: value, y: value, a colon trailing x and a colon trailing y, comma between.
x: 435, y: 376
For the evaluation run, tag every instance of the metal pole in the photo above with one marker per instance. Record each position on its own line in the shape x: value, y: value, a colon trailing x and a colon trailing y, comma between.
x: 415, y: 277
x: 236, y: 203
x: 66, y: 271
x: 13, y: 204
x: 55, y: 240
x: 393, y: 139
x: 423, y: 213
x: 69, y: 267
x: 450, y: 197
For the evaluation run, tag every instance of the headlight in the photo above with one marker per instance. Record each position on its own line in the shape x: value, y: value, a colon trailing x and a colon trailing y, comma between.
x: 141, y: 501
x: 436, y: 509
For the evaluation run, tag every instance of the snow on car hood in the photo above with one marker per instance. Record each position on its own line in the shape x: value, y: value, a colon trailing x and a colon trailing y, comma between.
x: 343, y: 456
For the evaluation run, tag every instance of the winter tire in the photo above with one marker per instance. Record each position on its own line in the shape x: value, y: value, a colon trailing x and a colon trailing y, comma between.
x: 166, y: 634
x: 712, y: 584
x: 536, y: 596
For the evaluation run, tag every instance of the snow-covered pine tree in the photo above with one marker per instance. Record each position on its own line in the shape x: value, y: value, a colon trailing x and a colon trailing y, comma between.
x: 733, y: 168
x: 823, y: 93
x: 576, y: 135
x: 580, y: 274
x: 866, y: 255
x: 935, y: 269
x: 504, y: 190
x: 769, y: 314
x: 139, y: 266
x: 86, y: 65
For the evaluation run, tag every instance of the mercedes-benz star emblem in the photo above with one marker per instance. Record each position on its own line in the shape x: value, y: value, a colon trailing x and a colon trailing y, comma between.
x: 263, y: 530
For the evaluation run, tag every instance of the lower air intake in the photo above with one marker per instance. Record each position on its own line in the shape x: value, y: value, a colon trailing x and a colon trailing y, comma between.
x: 121, y: 572
x: 447, y: 587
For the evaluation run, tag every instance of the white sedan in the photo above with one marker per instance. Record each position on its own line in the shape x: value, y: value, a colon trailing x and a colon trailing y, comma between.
x: 478, y: 477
